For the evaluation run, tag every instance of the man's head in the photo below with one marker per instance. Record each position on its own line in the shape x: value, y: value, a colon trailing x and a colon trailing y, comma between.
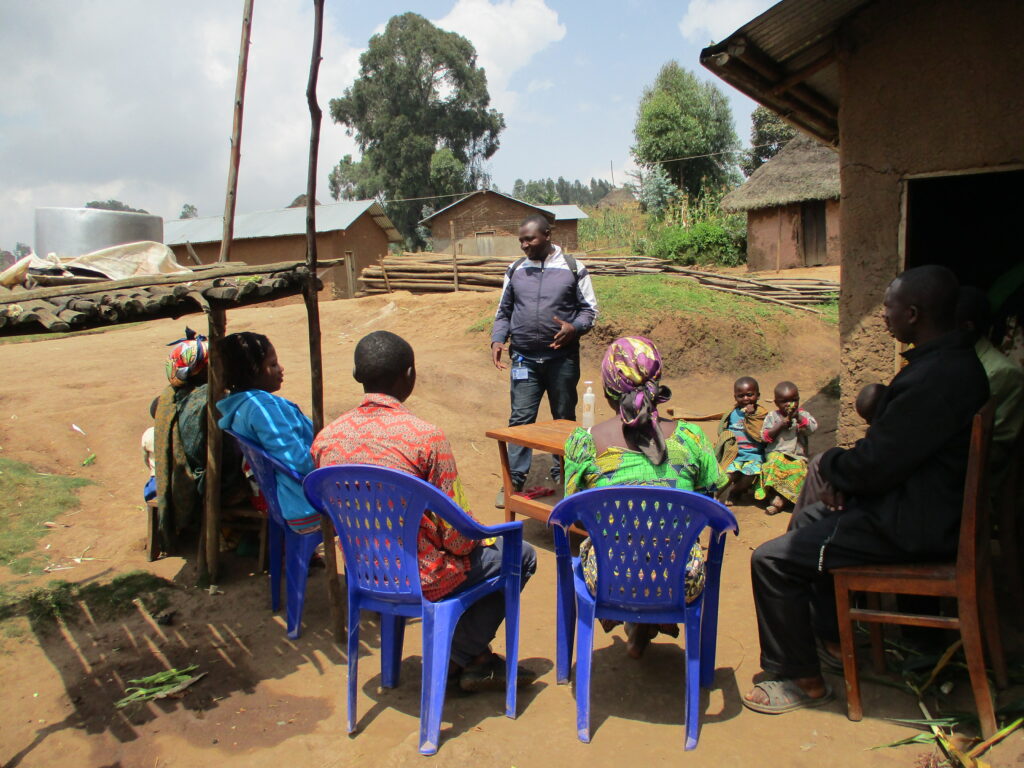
x: 973, y: 311
x: 746, y: 390
x: 920, y: 304
x: 385, y: 363
x: 535, y: 237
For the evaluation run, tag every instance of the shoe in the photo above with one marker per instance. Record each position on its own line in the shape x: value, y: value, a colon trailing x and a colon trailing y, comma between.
x: 499, y: 500
x: 490, y: 676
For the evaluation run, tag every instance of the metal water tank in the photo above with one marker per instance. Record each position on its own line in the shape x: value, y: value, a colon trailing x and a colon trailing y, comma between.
x: 71, y: 232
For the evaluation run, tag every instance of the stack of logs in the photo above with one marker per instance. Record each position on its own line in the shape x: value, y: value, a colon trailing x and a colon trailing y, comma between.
x: 440, y: 273
x: 63, y: 308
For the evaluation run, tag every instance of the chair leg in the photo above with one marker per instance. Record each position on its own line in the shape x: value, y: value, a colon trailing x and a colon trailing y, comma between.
x: 970, y: 631
x: 990, y: 628
x: 873, y: 602
x: 438, y: 628
x: 392, y: 637
x: 854, y: 711
x: 299, y: 550
x: 584, y: 652
x: 353, y: 660
x: 694, y: 670
x: 152, y: 533
x: 1009, y: 551
x: 708, y: 635
x: 565, y: 616
x: 511, y: 646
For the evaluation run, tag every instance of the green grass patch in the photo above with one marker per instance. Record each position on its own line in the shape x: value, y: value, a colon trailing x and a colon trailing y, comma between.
x: 482, y: 324
x: 63, y: 599
x: 829, y: 312
x: 621, y: 299
x: 28, y: 499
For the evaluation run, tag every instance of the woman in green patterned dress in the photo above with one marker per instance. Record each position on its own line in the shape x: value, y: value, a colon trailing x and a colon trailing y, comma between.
x: 637, y: 447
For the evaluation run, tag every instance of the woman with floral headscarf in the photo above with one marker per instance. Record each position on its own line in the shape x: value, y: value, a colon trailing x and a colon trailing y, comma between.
x: 637, y: 447
x: 180, y: 442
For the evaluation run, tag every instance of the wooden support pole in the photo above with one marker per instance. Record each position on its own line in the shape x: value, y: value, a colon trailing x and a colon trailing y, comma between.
x: 236, y: 134
x: 778, y: 241
x: 455, y: 259
x: 192, y: 254
x: 350, y: 274
x: 384, y: 272
x: 316, y: 366
x: 209, y: 541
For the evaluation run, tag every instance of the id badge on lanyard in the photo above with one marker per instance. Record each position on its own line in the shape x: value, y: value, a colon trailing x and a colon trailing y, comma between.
x: 519, y: 370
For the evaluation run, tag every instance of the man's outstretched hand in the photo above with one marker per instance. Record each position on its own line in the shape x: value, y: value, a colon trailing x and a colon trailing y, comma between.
x: 496, y: 349
x: 566, y: 334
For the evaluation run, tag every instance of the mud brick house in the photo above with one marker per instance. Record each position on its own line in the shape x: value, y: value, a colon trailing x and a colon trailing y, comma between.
x: 923, y: 100
x: 357, y: 227
x: 486, y: 223
x: 792, y: 207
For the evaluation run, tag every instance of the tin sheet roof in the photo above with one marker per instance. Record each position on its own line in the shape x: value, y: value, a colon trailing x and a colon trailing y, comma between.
x: 560, y: 212
x: 286, y: 221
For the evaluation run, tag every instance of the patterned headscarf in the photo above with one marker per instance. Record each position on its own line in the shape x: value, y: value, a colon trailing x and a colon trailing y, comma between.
x: 631, y: 372
x: 187, y: 359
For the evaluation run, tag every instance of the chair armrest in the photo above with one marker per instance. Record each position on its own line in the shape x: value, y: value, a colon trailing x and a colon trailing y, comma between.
x: 471, y: 529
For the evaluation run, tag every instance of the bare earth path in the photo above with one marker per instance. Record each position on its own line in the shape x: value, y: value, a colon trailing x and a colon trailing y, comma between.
x: 270, y: 702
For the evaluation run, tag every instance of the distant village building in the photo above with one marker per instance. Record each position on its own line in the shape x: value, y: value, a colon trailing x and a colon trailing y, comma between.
x: 792, y: 207
x: 620, y: 196
x: 358, y: 230
x: 923, y: 100
x: 486, y: 223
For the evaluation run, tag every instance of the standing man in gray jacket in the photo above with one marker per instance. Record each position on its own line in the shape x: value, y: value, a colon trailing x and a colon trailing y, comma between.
x: 547, y: 303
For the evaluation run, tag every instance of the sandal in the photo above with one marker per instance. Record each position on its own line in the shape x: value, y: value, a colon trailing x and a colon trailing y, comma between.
x: 786, y: 696
x: 490, y: 676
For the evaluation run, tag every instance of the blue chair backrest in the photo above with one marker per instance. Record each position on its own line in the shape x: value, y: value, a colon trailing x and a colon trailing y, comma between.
x: 642, y: 537
x: 265, y: 467
x: 377, y: 512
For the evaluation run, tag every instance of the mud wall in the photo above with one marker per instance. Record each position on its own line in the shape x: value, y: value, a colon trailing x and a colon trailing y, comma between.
x: 928, y: 86
x: 773, y: 238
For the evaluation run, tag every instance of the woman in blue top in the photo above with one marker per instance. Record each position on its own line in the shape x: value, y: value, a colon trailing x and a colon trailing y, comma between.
x: 278, y: 426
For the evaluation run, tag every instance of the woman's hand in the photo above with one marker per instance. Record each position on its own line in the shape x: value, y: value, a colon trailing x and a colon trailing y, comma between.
x: 833, y: 498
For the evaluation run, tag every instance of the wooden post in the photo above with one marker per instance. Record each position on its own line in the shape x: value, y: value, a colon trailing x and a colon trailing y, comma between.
x: 309, y: 294
x: 209, y: 541
x: 455, y: 259
x: 383, y: 271
x: 236, y: 133
x: 192, y: 254
x: 350, y: 274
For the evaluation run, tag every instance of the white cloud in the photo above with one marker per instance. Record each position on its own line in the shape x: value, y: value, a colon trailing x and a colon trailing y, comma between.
x: 133, y: 101
x: 711, y: 20
x: 507, y: 35
x: 536, y: 86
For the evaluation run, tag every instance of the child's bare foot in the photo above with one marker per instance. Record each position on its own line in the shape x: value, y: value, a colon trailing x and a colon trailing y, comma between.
x: 639, y: 637
x: 776, y: 506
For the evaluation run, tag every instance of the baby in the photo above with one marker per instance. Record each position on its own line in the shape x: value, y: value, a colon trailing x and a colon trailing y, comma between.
x: 867, y: 401
x: 740, y: 448
x: 149, y: 454
x: 785, y: 431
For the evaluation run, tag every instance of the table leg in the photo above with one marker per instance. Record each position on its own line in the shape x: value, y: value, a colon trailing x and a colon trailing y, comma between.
x: 506, y: 479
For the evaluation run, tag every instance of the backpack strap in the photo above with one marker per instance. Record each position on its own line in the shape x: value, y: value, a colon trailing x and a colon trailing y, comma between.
x: 569, y: 259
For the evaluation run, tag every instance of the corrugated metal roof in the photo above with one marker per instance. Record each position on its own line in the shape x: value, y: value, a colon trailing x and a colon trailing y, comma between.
x: 783, y: 40
x: 560, y: 212
x: 286, y: 221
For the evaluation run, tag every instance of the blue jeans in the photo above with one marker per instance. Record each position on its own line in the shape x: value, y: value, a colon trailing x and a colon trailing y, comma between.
x: 479, y: 624
x: 559, y: 378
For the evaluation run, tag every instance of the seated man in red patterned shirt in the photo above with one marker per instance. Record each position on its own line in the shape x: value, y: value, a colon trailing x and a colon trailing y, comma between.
x: 383, y: 432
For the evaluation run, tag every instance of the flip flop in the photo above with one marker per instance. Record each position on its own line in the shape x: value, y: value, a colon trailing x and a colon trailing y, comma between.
x: 786, y: 696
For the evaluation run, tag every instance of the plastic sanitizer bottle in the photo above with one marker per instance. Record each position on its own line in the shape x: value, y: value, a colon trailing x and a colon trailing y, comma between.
x: 588, y: 405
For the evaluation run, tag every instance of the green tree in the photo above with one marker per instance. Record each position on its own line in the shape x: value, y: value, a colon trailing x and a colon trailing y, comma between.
x: 768, y: 134
x: 113, y: 205
x: 419, y: 92
x: 682, y: 117
x: 188, y: 211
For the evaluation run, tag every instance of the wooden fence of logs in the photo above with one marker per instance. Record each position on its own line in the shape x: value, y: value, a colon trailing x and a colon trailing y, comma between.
x: 442, y: 273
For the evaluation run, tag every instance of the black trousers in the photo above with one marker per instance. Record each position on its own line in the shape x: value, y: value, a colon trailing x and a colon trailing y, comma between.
x: 793, y: 592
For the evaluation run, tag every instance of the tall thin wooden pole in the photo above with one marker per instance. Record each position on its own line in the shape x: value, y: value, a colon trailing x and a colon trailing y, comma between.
x: 210, y: 538
x: 316, y: 367
x: 455, y: 259
x: 236, y: 134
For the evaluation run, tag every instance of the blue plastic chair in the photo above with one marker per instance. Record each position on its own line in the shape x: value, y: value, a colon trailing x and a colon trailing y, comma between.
x: 642, y: 537
x: 298, y: 548
x: 377, y: 513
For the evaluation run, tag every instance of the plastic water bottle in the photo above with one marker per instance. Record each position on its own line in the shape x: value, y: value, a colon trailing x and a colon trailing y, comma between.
x: 588, y: 406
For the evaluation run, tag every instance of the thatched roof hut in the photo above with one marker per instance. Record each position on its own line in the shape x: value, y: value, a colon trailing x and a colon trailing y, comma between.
x: 804, y: 169
x: 792, y: 207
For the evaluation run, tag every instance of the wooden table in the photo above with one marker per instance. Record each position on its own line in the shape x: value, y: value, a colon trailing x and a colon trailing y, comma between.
x: 547, y: 436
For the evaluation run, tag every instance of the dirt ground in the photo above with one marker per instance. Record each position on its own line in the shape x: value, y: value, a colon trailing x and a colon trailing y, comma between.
x: 268, y: 701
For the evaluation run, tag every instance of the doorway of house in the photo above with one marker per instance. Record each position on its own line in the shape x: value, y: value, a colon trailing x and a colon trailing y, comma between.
x: 485, y: 243
x: 812, y: 218
x: 970, y: 223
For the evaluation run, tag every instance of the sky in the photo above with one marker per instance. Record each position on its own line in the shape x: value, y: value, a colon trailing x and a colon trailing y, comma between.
x: 133, y: 100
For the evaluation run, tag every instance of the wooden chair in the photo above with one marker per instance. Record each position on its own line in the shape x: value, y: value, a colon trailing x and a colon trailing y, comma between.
x: 968, y: 581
